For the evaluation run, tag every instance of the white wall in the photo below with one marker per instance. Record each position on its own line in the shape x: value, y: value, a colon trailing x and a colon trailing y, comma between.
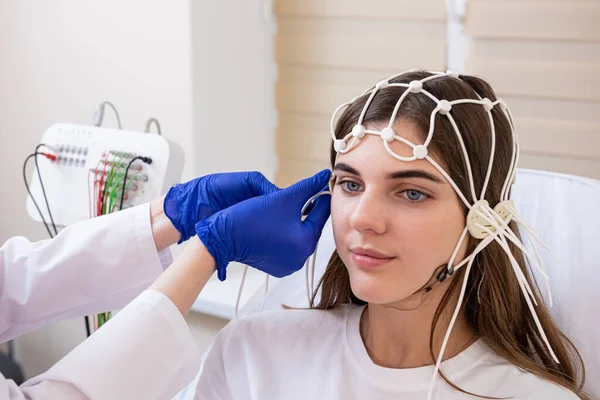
x: 234, y: 74
x: 58, y: 60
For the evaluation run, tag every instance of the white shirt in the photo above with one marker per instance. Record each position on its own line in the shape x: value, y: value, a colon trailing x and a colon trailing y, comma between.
x: 311, y: 354
x: 145, y: 352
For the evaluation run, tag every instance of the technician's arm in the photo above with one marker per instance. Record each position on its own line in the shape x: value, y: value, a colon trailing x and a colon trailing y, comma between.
x: 90, y: 267
x: 145, y: 352
x: 102, y: 264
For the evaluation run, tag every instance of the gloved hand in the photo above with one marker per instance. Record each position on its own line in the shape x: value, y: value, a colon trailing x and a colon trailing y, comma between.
x: 267, y: 232
x: 187, y: 203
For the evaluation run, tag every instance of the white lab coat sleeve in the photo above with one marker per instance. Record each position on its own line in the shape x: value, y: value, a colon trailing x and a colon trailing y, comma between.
x: 94, y: 266
x: 145, y: 352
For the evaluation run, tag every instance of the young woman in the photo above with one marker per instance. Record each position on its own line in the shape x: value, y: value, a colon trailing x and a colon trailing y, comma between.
x: 428, y: 266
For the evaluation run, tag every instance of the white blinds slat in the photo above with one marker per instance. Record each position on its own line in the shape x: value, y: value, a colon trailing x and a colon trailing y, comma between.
x: 517, y: 19
x: 381, y: 9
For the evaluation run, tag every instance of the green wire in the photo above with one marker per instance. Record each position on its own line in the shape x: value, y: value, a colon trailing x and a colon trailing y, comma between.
x: 108, y: 202
x: 113, y: 183
x: 109, y: 179
x: 118, y: 179
x: 131, y: 180
x: 114, y: 188
x: 107, y: 184
x: 111, y: 187
x: 118, y: 185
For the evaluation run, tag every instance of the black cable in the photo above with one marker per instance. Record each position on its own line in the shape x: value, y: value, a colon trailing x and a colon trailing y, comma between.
x: 37, y: 167
x: 29, y: 157
x: 105, y: 191
x: 34, y: 155
x: 147, y: 160
x: 87, y: 326
x: 11, y: 349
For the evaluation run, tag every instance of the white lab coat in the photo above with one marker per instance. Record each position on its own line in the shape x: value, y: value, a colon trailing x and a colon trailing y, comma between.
x: 145, y: 352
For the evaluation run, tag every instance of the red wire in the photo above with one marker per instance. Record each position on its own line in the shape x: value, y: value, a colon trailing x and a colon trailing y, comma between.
x: 96, y: 183
x: 97, y: 195
x: 100, y: 191
x: 51, y: 157
x: 90, y: 198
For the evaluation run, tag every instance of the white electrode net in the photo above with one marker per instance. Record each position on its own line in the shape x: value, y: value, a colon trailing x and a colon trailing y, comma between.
x: 483, y: 222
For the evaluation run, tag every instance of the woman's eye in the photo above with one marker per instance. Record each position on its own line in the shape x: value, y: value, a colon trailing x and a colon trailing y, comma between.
x: 414, y: 195
x: 350, y: 186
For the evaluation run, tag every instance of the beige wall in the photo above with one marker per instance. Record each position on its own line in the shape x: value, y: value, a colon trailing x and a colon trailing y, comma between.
x: 543, y: 59
x: 330, y: 50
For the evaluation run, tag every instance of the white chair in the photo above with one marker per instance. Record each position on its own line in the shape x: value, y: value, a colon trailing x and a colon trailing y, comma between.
x: 565, y: 212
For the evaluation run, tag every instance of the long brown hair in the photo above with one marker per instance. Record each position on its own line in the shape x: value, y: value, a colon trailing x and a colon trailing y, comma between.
x: 494, y: 305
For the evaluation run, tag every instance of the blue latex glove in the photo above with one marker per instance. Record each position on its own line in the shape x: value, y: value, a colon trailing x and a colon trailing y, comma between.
x: 187, y: 203
x: 267, y: 232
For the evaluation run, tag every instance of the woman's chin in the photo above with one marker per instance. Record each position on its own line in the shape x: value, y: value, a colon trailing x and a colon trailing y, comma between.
x: 372, y: 293
x: 375, y: 291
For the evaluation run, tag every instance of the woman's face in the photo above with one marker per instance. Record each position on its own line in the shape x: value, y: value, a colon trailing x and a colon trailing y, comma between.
x: 394, y: 222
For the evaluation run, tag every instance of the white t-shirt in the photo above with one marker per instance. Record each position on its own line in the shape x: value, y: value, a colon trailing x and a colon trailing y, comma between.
x: 312, y: 354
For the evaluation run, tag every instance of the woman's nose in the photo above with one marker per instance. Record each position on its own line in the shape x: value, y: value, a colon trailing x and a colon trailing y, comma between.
x: 368, y: 214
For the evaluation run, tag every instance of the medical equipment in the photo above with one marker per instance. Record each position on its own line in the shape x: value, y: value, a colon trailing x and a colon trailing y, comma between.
x: 88, y: 171
x: 88, y: 157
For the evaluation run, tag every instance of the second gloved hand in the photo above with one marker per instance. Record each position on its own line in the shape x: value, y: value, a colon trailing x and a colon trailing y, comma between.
x: 267, y: 232
x: 187, y: 203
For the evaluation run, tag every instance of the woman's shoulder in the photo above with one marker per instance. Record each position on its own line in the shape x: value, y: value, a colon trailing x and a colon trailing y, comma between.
x: 534, y: 387
x: 518, y: 382
x: 289, y: 324
x: 286, y: 319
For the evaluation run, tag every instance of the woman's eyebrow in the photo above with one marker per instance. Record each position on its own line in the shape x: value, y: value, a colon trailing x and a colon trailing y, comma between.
x: 413, y: 173
x: 346, y: 168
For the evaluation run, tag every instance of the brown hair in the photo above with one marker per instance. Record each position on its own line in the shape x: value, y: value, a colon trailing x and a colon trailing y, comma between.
x: 499, y: 314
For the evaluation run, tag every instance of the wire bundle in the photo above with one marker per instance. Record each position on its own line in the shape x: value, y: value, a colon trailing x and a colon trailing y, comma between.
x: 109, y: 185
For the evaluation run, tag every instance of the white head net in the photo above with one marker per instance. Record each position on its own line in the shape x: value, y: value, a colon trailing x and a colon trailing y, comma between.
x: 483, y: 222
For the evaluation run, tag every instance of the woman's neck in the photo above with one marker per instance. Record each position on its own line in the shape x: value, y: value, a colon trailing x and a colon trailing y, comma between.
x: 401, y: 339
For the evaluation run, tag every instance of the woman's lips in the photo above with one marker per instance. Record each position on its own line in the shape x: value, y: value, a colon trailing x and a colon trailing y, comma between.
x: 368, y: 258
